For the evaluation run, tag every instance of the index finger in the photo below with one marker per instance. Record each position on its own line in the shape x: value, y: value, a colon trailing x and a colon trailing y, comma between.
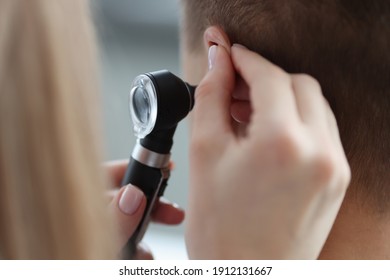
x: 116, y: 170
x: 270, y: 88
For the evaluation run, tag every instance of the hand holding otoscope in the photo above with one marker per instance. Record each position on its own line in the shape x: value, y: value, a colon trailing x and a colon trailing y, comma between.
x: 158, y: 102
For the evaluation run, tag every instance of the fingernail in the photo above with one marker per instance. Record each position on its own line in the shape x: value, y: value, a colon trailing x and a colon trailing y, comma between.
x: 240, y: 46
x: 130, y: 200
x: 212, y: 55
x: 164, y: 200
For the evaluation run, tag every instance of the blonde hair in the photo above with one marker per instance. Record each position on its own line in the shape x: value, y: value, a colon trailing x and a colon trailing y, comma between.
x: 51, y: 182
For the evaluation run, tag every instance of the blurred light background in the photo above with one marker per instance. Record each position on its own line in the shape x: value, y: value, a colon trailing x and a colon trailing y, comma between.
x: 138, y: 36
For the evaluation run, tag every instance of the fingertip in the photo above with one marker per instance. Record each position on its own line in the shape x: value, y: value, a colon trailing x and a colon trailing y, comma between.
x: 239, y: 46
x: 143, y: 252
x: 168, y: 213
x: 128, y: 207
x: 131, y: 199
x: 238, y: 54
x: 116, y: 169
x: 172, y: 165
x: 241, y: 111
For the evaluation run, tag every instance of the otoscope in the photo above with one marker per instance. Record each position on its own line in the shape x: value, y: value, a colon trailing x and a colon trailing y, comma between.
x: 158, y: 101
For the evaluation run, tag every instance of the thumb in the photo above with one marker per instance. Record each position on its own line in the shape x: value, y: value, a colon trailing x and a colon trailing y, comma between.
x: 128, y: 207
x: 213, y: 96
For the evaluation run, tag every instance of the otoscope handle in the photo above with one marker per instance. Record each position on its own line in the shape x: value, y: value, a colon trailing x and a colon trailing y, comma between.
x: 149, y: 171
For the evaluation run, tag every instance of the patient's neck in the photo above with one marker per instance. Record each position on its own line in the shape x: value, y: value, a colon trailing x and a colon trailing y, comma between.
x: 358, y: 234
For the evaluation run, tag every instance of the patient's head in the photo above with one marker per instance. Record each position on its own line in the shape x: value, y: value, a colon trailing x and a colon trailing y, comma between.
x: 342, y: 43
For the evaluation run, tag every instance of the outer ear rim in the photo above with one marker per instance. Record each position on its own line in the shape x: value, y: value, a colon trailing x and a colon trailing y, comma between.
x: 215, y: 35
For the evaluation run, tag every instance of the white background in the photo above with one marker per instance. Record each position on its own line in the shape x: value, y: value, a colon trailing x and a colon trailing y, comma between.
x: 302, y: 270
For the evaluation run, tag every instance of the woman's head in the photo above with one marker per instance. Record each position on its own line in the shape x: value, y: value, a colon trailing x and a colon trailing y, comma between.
x: 51, y: 187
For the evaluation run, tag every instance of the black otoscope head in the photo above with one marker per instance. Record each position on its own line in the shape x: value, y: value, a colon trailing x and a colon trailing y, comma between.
x: 158, y: 102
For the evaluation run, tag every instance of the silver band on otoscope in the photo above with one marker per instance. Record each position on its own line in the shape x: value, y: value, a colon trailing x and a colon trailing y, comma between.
x: 150, y: 158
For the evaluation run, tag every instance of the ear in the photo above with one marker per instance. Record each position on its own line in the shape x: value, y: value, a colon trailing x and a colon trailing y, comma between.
x: 214, y: 35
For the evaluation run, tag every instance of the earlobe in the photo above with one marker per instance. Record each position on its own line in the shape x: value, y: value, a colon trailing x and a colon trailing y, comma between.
x: 215, y: 35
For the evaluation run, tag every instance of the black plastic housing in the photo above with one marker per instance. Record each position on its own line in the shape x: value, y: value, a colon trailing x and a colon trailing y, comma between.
x: 175, y: 99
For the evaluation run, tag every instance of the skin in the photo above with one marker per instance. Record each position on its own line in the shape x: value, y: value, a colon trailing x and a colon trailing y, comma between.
x: 341, y: 244
x: 349, y: 237
x: 272, y: 188
x: 165, y: 211
x: 357, y: 233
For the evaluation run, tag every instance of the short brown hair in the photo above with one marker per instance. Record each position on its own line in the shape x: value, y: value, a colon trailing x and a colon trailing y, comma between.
x: 344, y: 44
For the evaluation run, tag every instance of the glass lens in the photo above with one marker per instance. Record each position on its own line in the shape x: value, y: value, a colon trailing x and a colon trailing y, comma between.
x: 141, y: 105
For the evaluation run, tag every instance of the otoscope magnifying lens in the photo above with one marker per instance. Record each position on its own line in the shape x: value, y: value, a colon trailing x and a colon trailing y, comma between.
x: 141, y: 105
